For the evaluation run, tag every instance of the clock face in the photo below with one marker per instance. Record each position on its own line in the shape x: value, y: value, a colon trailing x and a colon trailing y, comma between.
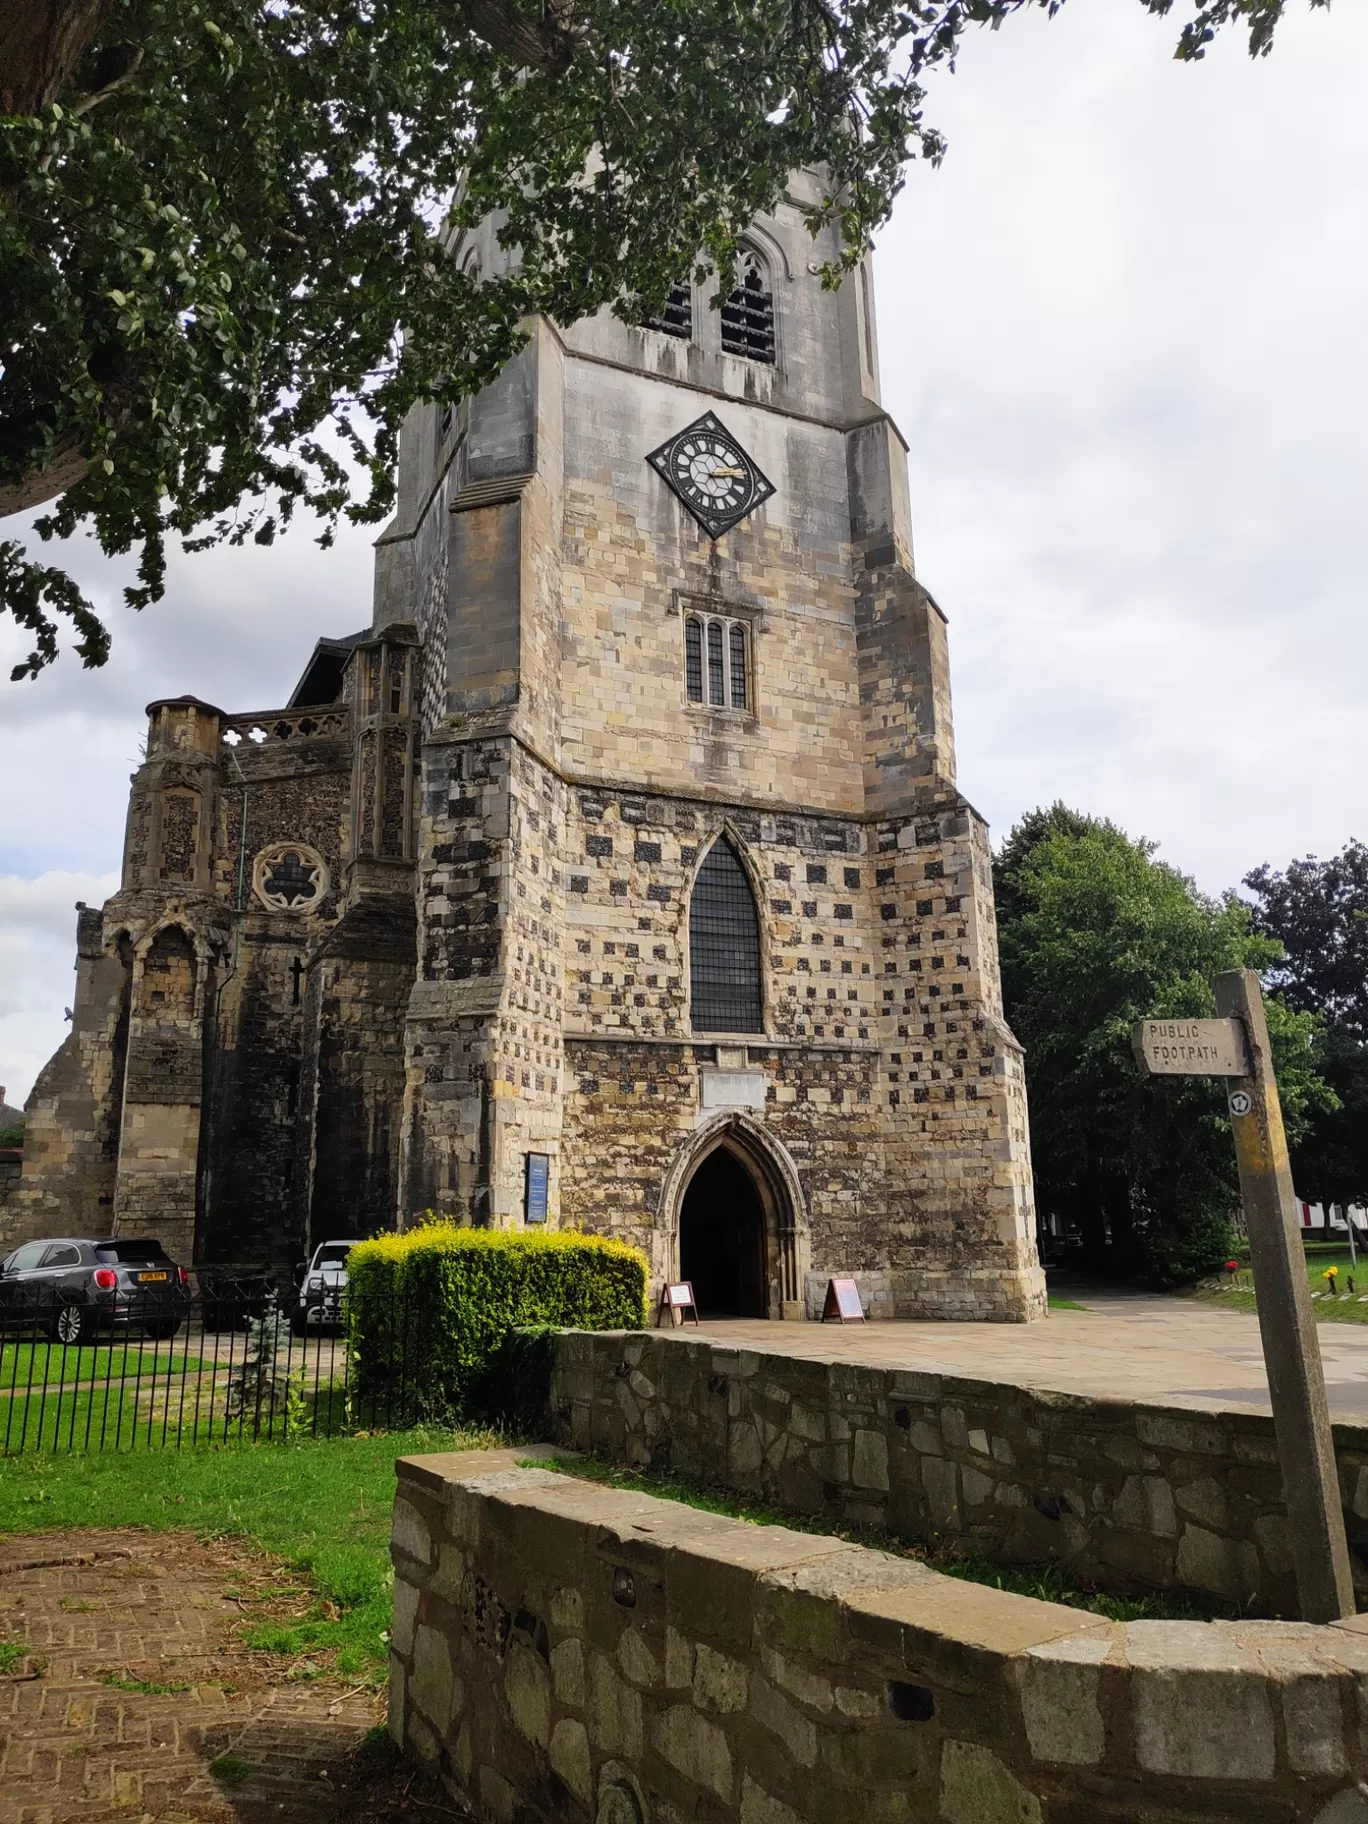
x: 710, y: 472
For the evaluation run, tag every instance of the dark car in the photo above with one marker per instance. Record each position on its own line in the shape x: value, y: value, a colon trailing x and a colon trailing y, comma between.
x: 74, y: 1287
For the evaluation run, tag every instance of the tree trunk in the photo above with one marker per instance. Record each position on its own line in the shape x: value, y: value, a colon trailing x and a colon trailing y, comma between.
x: 68, y: 466
x: 41, y: 44
x: 505, y: 28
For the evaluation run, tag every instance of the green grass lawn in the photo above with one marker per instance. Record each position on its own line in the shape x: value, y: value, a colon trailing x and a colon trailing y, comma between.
x: 23, y: 1362
x: 158, y: 1414
x: 324, y: 1508
x: 1345, y: 1308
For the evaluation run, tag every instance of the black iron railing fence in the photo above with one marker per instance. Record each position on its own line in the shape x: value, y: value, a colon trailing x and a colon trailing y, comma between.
x: 166, y: 1371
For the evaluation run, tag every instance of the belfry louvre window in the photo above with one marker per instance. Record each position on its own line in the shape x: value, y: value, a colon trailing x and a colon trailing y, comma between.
x: 716, y: 663
x: 724, y: 946
x: 676, y: 319
x: 748, y: 316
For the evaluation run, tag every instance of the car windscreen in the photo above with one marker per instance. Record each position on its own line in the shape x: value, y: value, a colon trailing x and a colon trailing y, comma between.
x: 113, y: 1253
x: 331, y: 1257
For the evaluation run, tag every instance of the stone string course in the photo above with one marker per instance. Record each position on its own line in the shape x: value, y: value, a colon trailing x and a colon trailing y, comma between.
x: 563, y: 1651
x: 1123, y: 1495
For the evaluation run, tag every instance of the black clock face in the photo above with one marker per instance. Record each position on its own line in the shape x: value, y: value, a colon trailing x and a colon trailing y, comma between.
x: 711, y: 474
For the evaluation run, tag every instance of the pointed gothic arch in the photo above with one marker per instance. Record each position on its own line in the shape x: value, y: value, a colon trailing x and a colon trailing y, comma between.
x: 726, y: 977
x: 748, y: 321
x: 740, y: 1139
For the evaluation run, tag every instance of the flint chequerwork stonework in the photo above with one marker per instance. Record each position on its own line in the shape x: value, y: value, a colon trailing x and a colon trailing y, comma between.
x: 441, y: 915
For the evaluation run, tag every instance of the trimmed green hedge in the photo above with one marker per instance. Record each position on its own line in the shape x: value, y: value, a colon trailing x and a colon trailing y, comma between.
x: 432, y: 1312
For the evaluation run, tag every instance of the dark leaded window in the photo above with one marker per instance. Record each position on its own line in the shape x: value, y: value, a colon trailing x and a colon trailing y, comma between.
x: 748, y: 316
x: 720, y: 645
x: 693, y: 659
x: 716, y: 689
x: 724, y: 946
x: 677, y: 317
x: 737, y: 637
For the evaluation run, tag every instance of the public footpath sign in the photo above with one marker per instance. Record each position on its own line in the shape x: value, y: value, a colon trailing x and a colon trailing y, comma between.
x: 1296, y: 1379
x: 1191, y: 1048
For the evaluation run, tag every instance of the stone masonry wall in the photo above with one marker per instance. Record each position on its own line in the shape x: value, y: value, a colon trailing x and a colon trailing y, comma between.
x: 563, y: 1651
x: 1127, y: 1497
x: 71, y: 1138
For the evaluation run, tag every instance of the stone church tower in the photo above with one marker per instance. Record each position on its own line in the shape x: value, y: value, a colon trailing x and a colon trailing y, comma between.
x: 616, y: 878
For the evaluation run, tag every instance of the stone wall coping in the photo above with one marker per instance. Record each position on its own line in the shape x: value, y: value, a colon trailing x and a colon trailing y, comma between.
x: 898, y: 1599
x: 660, y: 1661
x: 436, y: 1470
x: 934, y: 1384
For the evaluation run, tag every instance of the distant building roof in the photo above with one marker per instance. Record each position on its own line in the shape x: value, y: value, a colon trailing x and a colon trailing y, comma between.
x: 322, y: 679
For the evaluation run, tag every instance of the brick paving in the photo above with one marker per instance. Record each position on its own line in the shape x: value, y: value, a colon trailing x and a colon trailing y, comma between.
x: 102, y: 1611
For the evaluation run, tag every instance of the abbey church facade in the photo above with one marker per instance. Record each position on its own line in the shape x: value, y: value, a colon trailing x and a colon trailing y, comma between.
x: 616, y: 877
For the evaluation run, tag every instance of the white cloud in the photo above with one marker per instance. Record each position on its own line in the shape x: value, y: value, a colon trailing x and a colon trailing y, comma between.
x: 1122, y: 331
x: 1126, y: 349
x: 37, y: 959
x: 236, y: 628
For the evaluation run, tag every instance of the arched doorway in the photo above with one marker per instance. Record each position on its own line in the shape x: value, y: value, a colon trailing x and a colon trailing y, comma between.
x: 722, y: 1238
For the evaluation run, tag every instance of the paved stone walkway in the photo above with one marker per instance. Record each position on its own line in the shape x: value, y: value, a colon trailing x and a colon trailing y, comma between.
x: 103, y: 1613
x: 1178, y: 1351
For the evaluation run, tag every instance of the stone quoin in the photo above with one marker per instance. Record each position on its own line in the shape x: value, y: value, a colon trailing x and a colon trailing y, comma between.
x: 626, y: 837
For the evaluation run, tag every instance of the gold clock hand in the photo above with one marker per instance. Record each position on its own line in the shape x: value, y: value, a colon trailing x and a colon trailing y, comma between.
x: 718, y: 474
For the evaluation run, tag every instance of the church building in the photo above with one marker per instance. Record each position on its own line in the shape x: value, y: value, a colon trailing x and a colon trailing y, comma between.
x: 615, y: 878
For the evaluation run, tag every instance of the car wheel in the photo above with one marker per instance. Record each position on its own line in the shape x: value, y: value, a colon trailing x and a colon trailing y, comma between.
x: 299, y: 1323
x: 73, y: 1325
x: 162, y: 1326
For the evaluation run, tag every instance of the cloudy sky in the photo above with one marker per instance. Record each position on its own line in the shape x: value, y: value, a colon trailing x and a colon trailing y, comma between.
x: 1123, y: 329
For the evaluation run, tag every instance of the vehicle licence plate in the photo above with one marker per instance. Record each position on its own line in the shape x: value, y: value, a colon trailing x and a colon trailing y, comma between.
x: 144, y: 1277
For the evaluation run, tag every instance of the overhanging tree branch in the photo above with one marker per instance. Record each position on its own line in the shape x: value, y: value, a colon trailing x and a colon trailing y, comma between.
x: 546, y: 47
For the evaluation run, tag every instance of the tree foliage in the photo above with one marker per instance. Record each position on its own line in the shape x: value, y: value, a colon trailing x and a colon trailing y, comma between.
x: 1318, y: 912
x: 216, y: 214
x: 1096, y: 934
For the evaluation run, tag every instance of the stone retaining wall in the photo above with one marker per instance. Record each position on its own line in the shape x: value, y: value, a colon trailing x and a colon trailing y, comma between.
x: 1124, y: 1495
x: 572, y: 1653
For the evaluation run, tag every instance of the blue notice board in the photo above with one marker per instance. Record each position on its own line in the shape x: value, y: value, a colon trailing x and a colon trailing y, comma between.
x: 538, y: 1179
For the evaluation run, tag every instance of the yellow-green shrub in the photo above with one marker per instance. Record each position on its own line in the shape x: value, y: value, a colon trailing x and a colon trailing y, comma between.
x: 431, y: 1311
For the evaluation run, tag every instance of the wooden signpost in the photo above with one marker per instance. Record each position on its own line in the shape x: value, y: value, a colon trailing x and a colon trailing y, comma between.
x: 1236, y: 1046
x: 677, y: 1299
x: 843, y: 1302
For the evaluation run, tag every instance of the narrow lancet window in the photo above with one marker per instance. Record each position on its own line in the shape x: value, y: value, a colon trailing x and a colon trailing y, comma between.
x: 737, y: 636
x: 693, y: 660
x: 716, y: 693
x: 724, y: 946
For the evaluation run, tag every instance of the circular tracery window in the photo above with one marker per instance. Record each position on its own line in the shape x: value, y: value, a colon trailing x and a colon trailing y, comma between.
x: 289, y: 877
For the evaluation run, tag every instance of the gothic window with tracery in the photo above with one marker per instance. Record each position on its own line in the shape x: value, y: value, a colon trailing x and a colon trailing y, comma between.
x: 748, y: 314
x: 289, y: 877
x: 716, y: 662
x: 724, y: 946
